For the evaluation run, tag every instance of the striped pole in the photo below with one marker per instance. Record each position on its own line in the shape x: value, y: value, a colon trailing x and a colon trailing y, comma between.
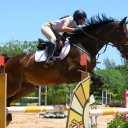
x: 108, y: 111
x: 34, y: 109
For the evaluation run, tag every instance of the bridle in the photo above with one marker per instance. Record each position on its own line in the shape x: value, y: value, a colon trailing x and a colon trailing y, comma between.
x: 119, y: 33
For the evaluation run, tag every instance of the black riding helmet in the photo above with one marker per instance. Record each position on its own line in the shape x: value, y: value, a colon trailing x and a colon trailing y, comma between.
x: 79, y: 14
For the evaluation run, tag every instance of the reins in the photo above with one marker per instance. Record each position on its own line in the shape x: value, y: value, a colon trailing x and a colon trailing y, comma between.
x: 81, y: 49
x: 96, y: 39
x: 93, y: 37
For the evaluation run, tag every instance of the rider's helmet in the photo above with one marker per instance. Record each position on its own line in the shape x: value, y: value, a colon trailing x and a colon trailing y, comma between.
x: 79, y: 14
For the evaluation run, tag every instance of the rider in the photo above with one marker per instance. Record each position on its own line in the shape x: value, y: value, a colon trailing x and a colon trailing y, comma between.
x: 66, y: 24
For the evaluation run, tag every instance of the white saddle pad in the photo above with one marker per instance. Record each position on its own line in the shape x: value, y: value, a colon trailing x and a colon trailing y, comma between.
x: 41, y: 55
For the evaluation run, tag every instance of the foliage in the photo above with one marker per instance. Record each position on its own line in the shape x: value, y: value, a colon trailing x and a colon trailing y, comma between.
x: 118, y: 122
x: 16, y: 47
x: 117, y: 103
x: 25, y: 100
x: 115, y: 80
x: 60, y: 94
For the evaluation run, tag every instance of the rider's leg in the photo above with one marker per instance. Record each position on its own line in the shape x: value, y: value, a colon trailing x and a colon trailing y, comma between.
x: 49, y: 34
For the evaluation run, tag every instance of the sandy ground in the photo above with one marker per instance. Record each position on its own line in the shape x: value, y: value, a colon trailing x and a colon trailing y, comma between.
x: 30, y: 120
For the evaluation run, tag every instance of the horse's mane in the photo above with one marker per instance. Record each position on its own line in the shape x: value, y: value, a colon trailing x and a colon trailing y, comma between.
x: 97, y: 21
x: 91, y: 25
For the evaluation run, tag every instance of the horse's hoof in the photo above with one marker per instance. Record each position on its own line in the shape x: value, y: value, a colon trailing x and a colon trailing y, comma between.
x: 9, y: 119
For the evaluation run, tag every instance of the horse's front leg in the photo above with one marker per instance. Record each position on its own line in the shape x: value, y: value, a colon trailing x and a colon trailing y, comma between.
x: 97, y: 83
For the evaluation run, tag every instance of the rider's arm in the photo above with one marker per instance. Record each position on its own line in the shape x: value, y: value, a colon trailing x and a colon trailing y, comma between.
x: 65, y: 28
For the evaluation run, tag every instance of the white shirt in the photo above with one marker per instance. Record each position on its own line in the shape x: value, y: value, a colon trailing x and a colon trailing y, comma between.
x: 59, y: 23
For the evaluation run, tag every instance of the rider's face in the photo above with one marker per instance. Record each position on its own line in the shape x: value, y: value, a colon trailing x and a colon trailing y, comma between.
x: 81, y: 21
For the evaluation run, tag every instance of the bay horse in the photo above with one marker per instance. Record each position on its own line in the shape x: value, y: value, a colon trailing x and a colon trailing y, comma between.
x: 23, y: 72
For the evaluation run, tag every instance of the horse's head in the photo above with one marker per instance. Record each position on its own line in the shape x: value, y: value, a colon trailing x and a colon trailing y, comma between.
x: 122, y: 34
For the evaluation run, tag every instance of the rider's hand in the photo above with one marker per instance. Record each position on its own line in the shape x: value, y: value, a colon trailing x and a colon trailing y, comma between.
x: 78, y: 29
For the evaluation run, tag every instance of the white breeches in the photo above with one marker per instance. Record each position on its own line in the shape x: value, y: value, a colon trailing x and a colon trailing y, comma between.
x: 48, y: 33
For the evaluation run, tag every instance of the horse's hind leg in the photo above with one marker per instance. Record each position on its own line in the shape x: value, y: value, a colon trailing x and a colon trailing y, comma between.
x: 13, y: 86
x: 26, y: 88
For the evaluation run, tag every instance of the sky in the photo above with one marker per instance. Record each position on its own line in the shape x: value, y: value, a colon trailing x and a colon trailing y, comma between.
x: 22, y: 19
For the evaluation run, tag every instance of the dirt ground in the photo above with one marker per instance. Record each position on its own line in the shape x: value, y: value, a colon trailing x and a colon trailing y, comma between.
x: 30, y: 120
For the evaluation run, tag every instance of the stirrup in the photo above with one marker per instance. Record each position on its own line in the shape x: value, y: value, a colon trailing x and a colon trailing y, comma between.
x: 50, y: 60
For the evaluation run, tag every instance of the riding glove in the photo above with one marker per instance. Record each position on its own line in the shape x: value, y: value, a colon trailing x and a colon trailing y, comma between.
x: 78, y: 29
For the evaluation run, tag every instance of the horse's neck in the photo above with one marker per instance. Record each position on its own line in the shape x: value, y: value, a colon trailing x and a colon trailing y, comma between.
x: 104, y: 36
x: 90, y: 46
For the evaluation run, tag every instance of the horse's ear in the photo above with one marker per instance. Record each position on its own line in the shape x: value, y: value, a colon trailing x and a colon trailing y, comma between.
x: 122, y: 21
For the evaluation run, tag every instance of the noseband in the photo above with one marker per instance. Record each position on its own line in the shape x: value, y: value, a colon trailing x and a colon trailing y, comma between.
x: 120, y: 34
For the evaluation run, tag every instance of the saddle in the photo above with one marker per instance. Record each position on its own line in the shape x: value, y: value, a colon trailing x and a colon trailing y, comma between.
x: 42, y: 44
x: 41, y: 54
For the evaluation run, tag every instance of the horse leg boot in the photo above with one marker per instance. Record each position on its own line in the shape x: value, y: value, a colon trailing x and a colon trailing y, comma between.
x: 97, y: 83
x: 9, y: 119
x: 9, y: 115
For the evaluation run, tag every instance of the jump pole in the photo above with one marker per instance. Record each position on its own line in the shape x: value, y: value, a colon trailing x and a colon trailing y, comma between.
x: 34, y: 109
x: 108, y: 111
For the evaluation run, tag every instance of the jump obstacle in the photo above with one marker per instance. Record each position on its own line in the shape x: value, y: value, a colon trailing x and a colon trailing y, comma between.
x: 79, y: 112
x: 32, y: 109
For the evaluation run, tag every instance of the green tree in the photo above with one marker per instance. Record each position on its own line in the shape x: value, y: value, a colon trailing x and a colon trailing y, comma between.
x: 114, y: 80
x: 17, y: 47
x: 60, y: 94
x: 109, y: 63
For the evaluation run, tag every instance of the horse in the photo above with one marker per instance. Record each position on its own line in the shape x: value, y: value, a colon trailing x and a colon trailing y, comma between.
x: 24, y: 74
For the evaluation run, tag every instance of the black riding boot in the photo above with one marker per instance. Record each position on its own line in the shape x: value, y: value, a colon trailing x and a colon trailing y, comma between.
x: 51, y: 50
